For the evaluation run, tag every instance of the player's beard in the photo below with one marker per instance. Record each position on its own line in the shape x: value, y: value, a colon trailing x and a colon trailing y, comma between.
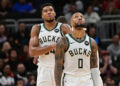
x: 49, y: 21
x: 80, y: 25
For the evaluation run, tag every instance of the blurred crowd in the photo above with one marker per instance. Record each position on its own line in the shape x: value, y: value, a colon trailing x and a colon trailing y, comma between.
x: 92, y: 9
x: 16, y: 66
x: 109, y: 58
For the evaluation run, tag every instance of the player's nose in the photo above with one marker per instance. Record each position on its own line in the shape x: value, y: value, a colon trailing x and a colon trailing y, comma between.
x: 79, y: 18
x: 49, y: 12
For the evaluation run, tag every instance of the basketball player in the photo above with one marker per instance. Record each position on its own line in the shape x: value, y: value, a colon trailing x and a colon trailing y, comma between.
x: 43, y: 42
x: 77, y: 54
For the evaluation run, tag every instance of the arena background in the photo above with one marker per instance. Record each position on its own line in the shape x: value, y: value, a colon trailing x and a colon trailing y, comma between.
x: 103, y: 24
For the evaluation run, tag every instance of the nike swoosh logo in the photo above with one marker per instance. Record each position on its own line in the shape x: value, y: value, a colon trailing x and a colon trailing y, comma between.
x: 72, y: 42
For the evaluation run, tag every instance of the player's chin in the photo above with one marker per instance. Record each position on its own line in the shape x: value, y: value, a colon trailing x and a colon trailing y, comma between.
x: 50, y: 20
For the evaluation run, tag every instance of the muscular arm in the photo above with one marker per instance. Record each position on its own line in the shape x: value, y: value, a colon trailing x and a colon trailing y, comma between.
x: 95, y: 73
x: 94, y: 58
x: 59, y: 58
x: 34, y: 48
x: 66, y: 29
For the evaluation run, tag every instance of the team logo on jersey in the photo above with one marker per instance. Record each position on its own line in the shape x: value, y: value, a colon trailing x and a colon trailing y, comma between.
x: 56, y: 30
x: 86, y: 43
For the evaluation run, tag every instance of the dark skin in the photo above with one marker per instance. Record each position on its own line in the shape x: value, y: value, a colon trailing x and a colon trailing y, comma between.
x: 59, y: 59
x: 48, y: 15
x: 63, y: 44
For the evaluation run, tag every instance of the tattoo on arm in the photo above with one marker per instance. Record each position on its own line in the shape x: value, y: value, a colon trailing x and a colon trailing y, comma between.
x: 94, y: 58
x: 59, y: 58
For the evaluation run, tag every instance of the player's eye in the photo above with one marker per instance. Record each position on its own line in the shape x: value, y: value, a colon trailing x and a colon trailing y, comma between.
x: 51, y: 9
x: 82, y: 16
x: 45, y: 11
x: 76, y: 16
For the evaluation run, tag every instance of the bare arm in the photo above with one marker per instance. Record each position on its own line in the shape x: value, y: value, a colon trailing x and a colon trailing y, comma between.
x: 59, y: 58
x: 95, y: 73
x: 66, y: 29
x: 94, y: 58
x: 34, y: 48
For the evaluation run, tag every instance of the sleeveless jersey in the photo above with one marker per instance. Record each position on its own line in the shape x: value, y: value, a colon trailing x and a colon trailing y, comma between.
x: 77, y: 56
x: 48, y: 37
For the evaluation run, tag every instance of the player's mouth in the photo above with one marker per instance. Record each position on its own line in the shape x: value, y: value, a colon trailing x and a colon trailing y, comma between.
x: 49, y: 16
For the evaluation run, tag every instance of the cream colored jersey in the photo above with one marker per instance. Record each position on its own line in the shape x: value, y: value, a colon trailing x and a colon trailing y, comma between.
x: 48, y: 37
x: 77, y: 56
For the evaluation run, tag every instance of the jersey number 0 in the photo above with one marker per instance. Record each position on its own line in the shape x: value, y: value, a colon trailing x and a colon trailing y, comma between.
x: 80, y: 63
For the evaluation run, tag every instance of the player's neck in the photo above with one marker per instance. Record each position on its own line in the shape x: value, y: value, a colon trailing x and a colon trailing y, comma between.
x: 78, y: 33
x: 50, y: 25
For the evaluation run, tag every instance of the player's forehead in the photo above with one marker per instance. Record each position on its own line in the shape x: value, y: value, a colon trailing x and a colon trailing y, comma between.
x: 77, y: 14
x: 47, y: 8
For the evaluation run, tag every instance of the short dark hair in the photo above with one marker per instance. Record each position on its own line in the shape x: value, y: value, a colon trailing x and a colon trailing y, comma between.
x: 62, y: 19
x: 46, y: 4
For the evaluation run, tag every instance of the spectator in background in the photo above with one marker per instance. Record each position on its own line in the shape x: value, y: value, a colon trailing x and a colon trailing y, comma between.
x: 91, y: 16
x: 14, y: 60
x: 7, y: 79
x: 114, y: 48
x: 3, y: 36
x: 92, y: 33
x: 70, y: 8
x: 13, y: 42
x: 114, y: 51
x: 38, y: 3
x: 20, y: 82
x: 23, y: 7
x: 111, y: 9
x: 1, y: 66
x: 62, y: 19
x: 4, y: 7
x: 27, y: 60
x: 31, y: 80
x: 106, y: 67
x: 109, y: 82
x: 104, y: 62
x: 119, y: 36
x: 21, y: 73
x: 4, y: 53
x: 97, y: 6
x: 105, y: 4
x: 22, y: 36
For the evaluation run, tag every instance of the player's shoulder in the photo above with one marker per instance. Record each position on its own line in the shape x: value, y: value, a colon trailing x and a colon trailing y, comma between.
x: 35, y: 29
x: 93, y: 42
x: 35, y: 26
x: 63, y: 42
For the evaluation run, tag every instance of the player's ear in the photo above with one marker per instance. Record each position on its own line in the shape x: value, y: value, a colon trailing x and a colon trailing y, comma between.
x: 71, y: 21
x: 41, y: 16
x: 55, y: 14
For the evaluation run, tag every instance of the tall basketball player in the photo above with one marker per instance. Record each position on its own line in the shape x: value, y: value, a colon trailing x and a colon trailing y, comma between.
x: 77, y: 53
x: 43, y: 42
